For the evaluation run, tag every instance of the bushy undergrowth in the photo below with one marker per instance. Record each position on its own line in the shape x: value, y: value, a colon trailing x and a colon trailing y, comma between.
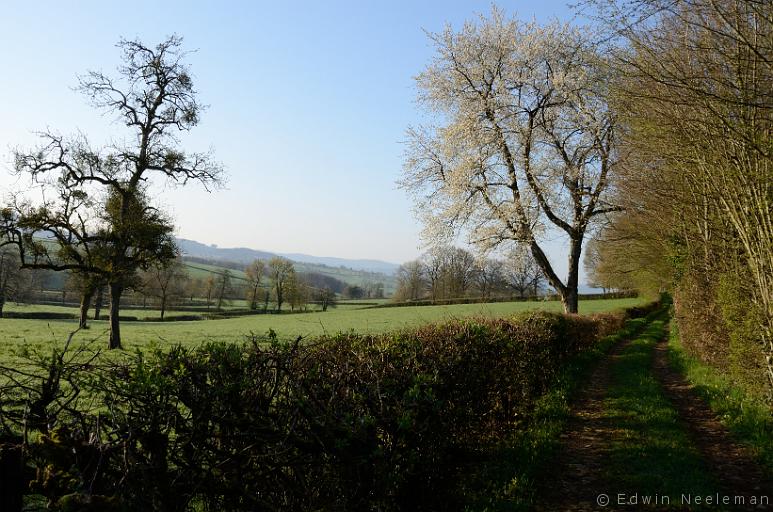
x: 721, y: 326
x: 747, y: 416
x: 351, y: 422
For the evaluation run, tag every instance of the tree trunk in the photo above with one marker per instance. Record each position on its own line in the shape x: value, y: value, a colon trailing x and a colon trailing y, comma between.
x: 84, y: 308
x: 567, y: 292
x: 569, y: 296
x: 98, y: 302
x: 116, y: 290
x: 163, y: 306
x: 254, y: 303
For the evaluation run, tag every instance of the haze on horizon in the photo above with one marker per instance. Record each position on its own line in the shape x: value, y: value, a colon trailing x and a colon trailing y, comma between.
x: 309, y: 104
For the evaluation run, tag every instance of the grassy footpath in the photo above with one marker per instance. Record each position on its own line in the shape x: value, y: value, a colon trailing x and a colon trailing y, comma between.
x: 748, y: 419
x: 651, y: 453
x: 527, y: 457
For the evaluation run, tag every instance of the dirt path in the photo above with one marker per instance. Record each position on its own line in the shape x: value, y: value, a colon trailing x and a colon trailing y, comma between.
x: 731, y: 464
x: 576, y: 481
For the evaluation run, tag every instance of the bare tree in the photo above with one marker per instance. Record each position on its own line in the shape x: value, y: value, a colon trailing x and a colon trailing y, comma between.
x: 166, y: 282
x: 522, y: 274
x: 525, y: 140
x: 411, y: 283
x: 153, y: 96
x: 489, y: 277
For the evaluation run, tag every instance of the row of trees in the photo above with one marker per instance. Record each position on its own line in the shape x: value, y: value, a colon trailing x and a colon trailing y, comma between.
x: 451, y: 273
x: 268, y: 284
x: 694, y: 96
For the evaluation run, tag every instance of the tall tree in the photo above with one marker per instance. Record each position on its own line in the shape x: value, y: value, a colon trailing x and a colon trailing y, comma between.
x: 524, y: 142
x: 153, y: 97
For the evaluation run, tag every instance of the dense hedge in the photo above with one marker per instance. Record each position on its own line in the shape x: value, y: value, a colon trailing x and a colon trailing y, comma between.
x: 350, y: 422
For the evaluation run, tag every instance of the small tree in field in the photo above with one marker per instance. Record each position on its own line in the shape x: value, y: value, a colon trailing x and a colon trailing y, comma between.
x: 281, y: 273
x: 166, y: 282
x: 524, y: 141
x: 10, y: 276
x: 255, y: 272
x: 223, y: 287
x: 209, y: 289
x: 326, y: 298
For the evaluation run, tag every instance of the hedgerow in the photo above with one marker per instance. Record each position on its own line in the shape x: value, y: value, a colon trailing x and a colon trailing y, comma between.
x: 349, y: 422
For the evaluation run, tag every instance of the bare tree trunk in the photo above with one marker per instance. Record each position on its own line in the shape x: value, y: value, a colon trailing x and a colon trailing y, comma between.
x: 116, y: 289
x: 163, y: 305
x: 83, y: 317
x: 98, y: 302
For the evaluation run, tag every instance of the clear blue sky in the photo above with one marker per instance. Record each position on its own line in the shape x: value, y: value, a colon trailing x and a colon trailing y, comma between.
x: 308, y: 104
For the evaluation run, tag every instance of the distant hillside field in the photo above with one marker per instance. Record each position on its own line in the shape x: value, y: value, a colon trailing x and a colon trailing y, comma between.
x: 22, y: 333
x: 197, y: 269
x: 246, y: 255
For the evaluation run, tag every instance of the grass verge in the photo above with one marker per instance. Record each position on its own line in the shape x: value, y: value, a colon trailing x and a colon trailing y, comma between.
x: 749, y: 419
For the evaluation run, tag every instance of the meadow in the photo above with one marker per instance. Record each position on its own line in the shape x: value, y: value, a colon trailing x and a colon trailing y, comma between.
x: 18, y: 334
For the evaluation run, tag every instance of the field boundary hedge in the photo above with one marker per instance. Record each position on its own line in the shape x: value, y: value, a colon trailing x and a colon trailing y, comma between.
x: 350, y: 422
x: 482, y: 300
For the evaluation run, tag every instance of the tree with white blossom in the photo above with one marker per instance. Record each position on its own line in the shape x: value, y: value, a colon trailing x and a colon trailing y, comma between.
x: 523, y: 139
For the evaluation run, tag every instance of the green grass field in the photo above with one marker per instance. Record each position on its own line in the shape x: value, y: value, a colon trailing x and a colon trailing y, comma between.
x: 19, y: 333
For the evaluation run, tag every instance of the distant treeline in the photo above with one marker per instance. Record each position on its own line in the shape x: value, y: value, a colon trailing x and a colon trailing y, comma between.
x: 533, y: 298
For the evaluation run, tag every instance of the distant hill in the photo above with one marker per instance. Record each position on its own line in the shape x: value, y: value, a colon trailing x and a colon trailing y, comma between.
x: 245, y: 255
x: 213, y: 252
x: 382, y: 267
x: 354, y: 272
